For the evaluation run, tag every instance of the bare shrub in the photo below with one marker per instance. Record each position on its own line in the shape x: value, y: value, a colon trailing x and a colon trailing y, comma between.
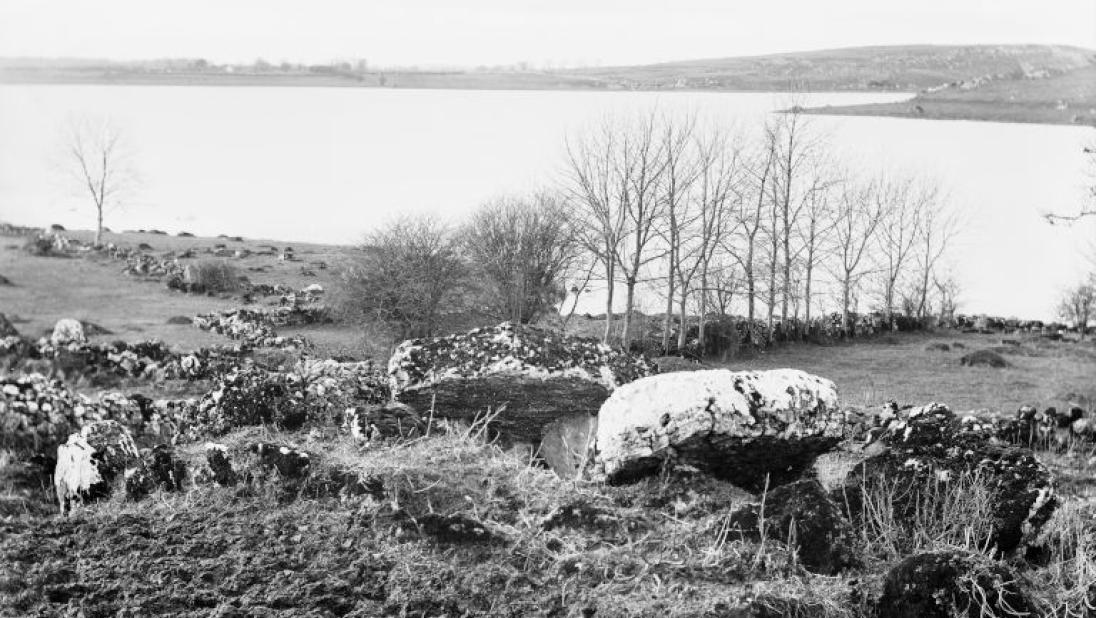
x: 215, y: 276
x: 404, y: 278
x: 524, y: 247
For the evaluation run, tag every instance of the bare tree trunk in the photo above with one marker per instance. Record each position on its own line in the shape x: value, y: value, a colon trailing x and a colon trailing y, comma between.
x: 610, y: 277
x: 669, y: 297
x: 625, y: 336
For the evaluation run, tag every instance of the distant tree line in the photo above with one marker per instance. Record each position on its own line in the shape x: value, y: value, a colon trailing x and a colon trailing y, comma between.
x: 707, y: 220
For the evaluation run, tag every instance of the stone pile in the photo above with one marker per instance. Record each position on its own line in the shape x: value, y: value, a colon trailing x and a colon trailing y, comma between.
x: 255, y: 327
x: 527, y: 377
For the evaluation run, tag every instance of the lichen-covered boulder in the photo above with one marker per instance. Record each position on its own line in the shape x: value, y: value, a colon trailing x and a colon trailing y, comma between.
x: 925, y: 451
x: 536, y: 374
x: 90, y: 461
x: 68, y: 331
x: 950, y: 584
x: 807, y: 519
x: 744, y: 427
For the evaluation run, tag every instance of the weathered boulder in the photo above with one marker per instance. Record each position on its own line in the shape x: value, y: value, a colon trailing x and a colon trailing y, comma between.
x: 950, y: 584
x: 68, y: 331
x: 7, y: 329
x: 925, y: 451
x: 744, y: 427
x: 219, y: 465
x: 807, y: 519
x: 158, y: 469
x: 539, y: 376
x: 91, y: 460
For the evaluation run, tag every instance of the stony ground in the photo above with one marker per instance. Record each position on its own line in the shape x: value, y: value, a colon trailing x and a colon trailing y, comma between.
x: 458, y: 526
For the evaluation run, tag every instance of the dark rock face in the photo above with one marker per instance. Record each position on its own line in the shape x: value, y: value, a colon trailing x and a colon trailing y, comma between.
x: 949, y: 584
x: 158, y: 470
x: 804, y: 516
x: 90, y: 461
x: 749, y: 428
x: 289, y: 463
x: 538, y: 375
x: 220, y: 466
x: 983, y: 358
x: 927, y: 447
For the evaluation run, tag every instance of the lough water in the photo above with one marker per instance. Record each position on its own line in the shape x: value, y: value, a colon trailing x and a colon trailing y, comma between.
x: 328, y: 164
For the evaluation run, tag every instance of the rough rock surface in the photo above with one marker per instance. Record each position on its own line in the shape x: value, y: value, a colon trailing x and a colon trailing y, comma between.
x: 90, y: 461
x: 804, y: 516
x: 928, y: 446
x: 568, y: 443
x: 159, y: 469
x: 537, y: 374
x: 739, y: 426
x: 68, y: 331
x: 950, y: 584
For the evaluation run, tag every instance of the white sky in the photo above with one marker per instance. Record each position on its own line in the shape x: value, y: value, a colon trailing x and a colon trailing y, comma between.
x: 504, y: 31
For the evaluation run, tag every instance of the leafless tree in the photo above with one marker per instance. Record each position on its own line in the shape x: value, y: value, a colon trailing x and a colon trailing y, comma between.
x: 901, y: 202
x: 751, y: 220
x: 947, y: 292
x: 814, y: 228
x: 595, y: 186
x: 681, y: 171
x: 1079, y: 304
x: 938, y: 229
x: 403, y: 276
x: 859, y: 213
x: 524, y: 248
x: 97, y: 157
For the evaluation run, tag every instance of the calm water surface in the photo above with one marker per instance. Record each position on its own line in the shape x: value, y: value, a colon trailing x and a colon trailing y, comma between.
x: 328, y: 164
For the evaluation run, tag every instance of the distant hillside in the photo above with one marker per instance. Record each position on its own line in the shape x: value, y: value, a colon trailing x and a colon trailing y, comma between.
x: 900, y: 68
x: 1020, y: 83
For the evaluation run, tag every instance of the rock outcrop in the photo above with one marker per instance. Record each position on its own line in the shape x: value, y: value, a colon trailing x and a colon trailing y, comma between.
x: 950, y: 584
x: 539, y: 376
x: 90, y: 461
x: 7, y: 329
x: 743, y: 427
x: 926, y: 451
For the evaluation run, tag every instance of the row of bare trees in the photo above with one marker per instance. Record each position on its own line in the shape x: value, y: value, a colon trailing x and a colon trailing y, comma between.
x: 711, y: 220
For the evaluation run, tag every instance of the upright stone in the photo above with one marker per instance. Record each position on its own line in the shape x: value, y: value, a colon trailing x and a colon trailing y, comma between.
x: 68, y: 331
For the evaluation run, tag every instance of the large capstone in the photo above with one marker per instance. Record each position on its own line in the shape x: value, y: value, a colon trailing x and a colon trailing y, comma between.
x: 68, y: 331
x: 526, y: 376
x: 749, y: 427
x: 90, y: 461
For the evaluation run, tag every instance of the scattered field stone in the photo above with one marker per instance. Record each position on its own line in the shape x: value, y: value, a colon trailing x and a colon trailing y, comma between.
x: 67, y: 331
x: 983, y: 358
x: 950, y: 584
x: 90, y: 461
x: 159, y: 469
x: 539, y: 376
x: 742, y: 427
